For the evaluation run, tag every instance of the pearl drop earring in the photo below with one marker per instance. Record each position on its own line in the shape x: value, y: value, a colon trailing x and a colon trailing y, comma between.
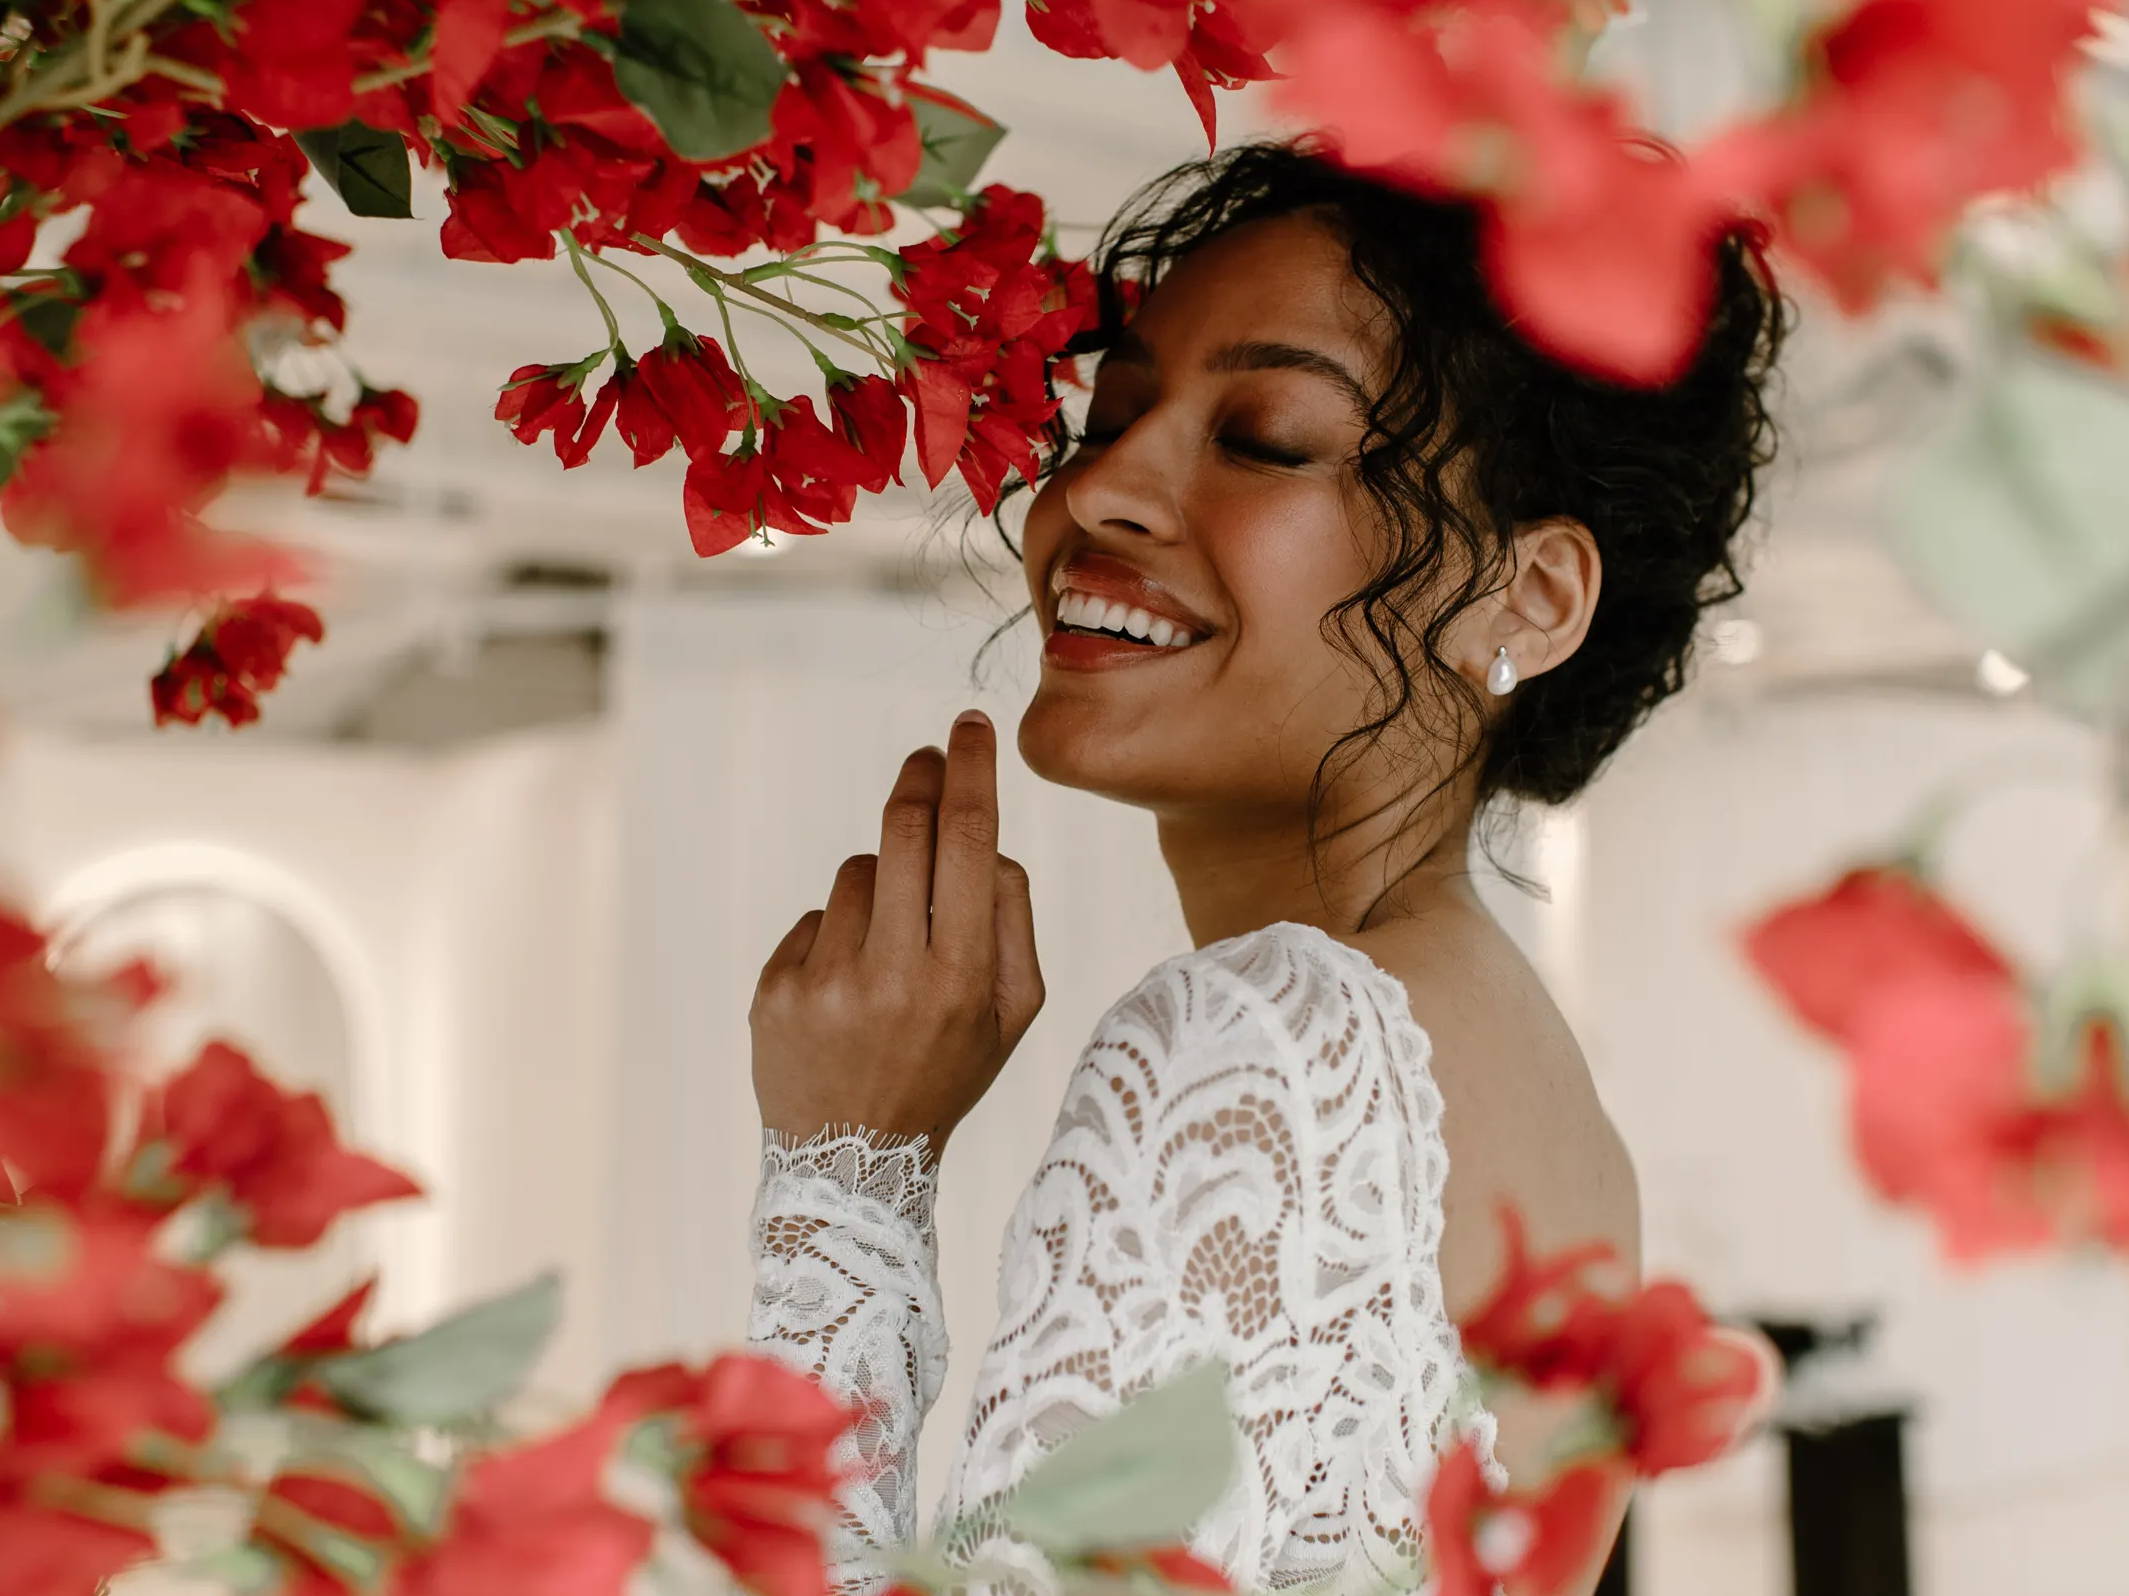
x: 1500, y: 675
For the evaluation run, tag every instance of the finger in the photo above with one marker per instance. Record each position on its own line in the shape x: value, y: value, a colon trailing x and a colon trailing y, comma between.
x: 849, y: 909
x: 1019, y: 973
x: 901, y: 889
x: 797, y: 942
x: 964, y: 888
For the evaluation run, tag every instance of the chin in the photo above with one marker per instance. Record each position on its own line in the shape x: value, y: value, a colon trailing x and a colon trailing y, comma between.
x: 1070, y: 744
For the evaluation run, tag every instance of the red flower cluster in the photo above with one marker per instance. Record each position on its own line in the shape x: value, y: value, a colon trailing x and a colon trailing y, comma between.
x: 2010, y: 1132
x: 1667, y: 1387
x: 754, y: 1437
x: 989, y: 308
x: 1220, y: 45
x: 241, y: 652
x: 93, y: 1312
x: 133, y: 351
x: 1597, y: 239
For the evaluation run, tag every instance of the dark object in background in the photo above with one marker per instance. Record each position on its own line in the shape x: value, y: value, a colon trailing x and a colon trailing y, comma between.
x: 1613, y: 1580
x: 1847, y: 1477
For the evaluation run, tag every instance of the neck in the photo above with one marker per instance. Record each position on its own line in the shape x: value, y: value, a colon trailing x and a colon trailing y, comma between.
x: 1235, y: 872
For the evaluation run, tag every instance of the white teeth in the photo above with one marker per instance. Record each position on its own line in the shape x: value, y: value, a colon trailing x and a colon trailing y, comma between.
x: 1111, y: 615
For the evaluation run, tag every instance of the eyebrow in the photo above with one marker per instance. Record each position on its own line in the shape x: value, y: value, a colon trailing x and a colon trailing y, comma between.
x: 1254, y: 354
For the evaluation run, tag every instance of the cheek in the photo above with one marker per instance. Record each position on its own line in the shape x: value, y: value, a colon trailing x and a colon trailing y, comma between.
x: 1285, y: 562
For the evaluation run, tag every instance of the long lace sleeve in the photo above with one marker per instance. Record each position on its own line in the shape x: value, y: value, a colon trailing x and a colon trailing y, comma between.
x: 846, y: 1289
x: 1247, y: 1166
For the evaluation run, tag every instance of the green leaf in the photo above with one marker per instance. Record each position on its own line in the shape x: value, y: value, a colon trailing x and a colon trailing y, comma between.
x: 261, y: 1384
x: 702, y: 71
x: 454, y: 1370
x: 367, y: 167
x: 2011, y: 521
x: 246, y: 1570
x: 958, y: 139
x: 23, y: 420
x: 1141, y: 1476
x: 47, y: 318
x: 417, y: 1491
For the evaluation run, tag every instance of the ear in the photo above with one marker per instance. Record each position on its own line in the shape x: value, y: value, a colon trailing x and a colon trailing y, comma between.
x: 1547, y: 605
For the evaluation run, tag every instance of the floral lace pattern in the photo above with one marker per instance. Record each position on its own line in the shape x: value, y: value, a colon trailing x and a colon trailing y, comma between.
x: 1248, y: 1165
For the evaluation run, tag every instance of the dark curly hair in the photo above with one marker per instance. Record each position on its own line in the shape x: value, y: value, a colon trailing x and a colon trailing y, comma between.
x: 1479, y: 433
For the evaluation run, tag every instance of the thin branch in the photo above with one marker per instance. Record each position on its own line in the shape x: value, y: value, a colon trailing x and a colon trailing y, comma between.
x: 576, y: 261
x: 704, y: 272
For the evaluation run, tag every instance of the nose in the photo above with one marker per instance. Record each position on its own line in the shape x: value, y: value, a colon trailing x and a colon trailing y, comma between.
x: 1127, y: 486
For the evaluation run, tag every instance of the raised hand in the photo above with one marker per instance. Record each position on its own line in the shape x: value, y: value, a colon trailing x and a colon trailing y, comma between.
x: 896, y: 1005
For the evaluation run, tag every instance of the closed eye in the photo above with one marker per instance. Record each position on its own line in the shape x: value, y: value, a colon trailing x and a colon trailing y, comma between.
x: 1248, y: 447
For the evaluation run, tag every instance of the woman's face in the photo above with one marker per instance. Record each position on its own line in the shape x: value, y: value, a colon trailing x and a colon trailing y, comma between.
x: 1217, y: 465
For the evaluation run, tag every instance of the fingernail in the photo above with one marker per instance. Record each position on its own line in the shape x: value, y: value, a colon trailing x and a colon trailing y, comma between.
x: 975, y: 715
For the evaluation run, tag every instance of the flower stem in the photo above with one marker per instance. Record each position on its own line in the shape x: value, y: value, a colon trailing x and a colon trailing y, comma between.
x: 705, y: 274
x: 76, y: 73
x: 657, y: 299
x: 576, y: 261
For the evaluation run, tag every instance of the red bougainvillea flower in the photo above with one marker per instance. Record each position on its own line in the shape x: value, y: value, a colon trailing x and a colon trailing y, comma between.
x: 1828, y: 957
x: 533, y: 1521
x: 289, y: 62
x: 274, y: 1153
x: 638, y: 416
x: 45, y: 1552
x: 329, y: 1499
x: 693, y: 390
x: 55, y: 1072
x: 540, y: 399
x: 240, y: 652
x: 988, y: 312
x: 1953, y: 1111
x: 755, y: 1477
x: 1678, y: 1388
x: 160, y: 407
x: 90, y: 1321
x: 871, y: 416
x: 1221, y: 43
x: 851, y: 130
x: 1532, y: 1541
x: 298, y: 428
x: 1913, y: 109
x: 1595, y: 240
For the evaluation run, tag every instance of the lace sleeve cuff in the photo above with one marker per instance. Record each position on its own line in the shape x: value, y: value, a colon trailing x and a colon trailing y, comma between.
x: 846, y: 1289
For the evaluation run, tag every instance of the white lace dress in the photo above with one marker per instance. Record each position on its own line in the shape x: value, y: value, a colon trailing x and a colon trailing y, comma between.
x: 1248, y: 1165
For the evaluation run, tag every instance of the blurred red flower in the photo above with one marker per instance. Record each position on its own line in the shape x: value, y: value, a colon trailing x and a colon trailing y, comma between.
x: 534, y: 1521
x: 241, y: 651
x: 756, y: 1482
x: 1677, y: 1386
x: 273, y: 1152
x: 1533, y: 1540
x: 1830, y: 956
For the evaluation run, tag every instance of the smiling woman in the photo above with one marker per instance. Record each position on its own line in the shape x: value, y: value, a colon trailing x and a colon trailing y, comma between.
x: 1335, y: 545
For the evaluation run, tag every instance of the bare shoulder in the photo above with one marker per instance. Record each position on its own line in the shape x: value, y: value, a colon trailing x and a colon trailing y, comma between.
x: 1520, y: 1112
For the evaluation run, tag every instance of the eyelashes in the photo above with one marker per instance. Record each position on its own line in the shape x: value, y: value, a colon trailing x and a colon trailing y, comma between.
x: 1249, y: 448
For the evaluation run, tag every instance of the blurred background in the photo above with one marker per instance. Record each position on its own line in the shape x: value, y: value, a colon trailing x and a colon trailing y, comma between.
x: 499, y: 867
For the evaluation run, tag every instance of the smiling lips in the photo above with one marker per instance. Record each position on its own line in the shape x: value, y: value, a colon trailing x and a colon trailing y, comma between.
x: 1097, y: 592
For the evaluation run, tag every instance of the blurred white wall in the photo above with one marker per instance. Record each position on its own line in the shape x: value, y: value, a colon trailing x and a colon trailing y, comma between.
x: 464, y: 906
x: 2018, y: 1456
